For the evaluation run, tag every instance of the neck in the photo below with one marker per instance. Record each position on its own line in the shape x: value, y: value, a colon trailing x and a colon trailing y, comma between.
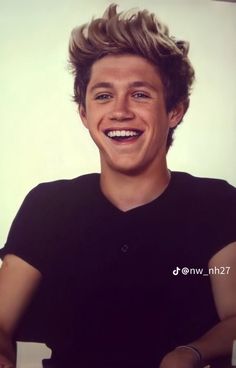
x: 130, y: 191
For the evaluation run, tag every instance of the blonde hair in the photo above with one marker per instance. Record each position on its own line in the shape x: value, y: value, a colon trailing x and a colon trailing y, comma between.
x: 139, y: 33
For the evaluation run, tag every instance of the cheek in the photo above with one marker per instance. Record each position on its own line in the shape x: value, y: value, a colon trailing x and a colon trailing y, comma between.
x: 93, y: 110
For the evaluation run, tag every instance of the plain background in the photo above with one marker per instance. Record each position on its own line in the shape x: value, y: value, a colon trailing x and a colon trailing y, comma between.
x: 41, y: 136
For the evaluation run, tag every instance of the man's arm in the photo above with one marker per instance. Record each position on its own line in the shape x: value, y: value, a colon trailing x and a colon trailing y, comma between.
x: 218, y: 341
x: 18, y: 281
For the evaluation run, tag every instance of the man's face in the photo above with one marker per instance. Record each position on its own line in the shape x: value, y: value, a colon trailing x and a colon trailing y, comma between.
x: 125, y: 114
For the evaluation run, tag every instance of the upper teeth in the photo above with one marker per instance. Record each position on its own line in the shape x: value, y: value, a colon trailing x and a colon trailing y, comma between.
x: 122, y: 133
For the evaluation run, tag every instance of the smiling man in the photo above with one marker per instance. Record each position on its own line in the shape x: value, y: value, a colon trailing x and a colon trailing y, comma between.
x: 135, y: 267
x: 126, y: 116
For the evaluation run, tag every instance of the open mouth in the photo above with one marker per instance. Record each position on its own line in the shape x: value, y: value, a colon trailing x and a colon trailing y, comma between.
x: 123, y: 134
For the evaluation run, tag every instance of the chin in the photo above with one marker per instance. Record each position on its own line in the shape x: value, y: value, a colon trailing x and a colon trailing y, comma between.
x: 130, y: 170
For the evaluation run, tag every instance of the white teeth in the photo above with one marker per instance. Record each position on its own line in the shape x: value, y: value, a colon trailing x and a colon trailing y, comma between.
x: 122, y: 133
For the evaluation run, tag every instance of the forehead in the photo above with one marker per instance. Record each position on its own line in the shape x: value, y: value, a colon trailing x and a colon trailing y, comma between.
x: 124, y: 68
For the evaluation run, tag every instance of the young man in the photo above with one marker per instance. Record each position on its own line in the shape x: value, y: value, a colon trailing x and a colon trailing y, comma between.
x: 111, y: 251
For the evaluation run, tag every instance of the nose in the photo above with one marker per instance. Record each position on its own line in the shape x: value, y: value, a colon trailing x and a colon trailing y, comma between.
x: 120, y: 109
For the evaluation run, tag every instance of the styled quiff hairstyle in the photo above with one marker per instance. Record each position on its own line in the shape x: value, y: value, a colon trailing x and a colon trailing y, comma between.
x: 138, y: 33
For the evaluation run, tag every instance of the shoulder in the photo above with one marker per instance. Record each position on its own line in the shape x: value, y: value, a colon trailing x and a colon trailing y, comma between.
x: 66, y: 190
x: 46, y: 215
x: 208, y: 189
x: 208, y: 209
x: 83, y: 182
x: 51, y: 203
x: 209, y: 201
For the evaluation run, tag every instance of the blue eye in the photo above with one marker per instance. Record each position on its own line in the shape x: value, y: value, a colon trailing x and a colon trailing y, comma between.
x: 140, y: 95
x: 103, y: 96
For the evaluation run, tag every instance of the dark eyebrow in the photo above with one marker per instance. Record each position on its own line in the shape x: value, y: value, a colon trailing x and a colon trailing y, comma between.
x: 132, y: 84
x: 142, y: 84
x: 101, y: 85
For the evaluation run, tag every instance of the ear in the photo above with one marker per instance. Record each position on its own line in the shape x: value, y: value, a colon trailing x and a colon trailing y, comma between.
x: 83, y: 116
x: 176, y: 114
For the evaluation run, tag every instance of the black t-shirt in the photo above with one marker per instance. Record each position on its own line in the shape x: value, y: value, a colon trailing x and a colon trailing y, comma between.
x: 109, y: 297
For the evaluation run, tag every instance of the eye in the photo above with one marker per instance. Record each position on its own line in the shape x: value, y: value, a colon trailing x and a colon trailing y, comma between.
x: 103, y: 96
x: 140, y: 94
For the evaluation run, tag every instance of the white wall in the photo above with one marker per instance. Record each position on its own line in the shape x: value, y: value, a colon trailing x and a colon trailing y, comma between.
x: 41, y: 137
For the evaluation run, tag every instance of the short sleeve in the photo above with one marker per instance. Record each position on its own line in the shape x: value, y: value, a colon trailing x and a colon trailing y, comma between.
x: 31, y: 230
x: 227, y: 209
